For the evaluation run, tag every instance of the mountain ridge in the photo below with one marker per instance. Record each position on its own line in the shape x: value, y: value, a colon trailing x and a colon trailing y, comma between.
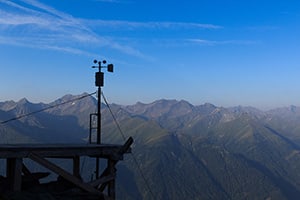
x: 185, y: 151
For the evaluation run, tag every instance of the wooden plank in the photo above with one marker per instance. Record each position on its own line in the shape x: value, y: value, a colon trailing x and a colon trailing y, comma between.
x: 76, y: 181
x: 61, y: 150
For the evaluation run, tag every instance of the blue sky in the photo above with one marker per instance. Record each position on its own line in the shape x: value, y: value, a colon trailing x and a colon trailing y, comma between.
x: 238, y: 52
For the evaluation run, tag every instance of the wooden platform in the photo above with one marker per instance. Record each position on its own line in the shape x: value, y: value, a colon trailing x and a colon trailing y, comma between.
x: 60, y: 150
x: 15, y: 168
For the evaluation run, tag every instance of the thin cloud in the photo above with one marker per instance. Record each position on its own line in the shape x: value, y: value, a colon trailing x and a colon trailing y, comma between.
x: 70, y: 50
x: 149, y: 25
x: 17, y: 6
x: 224, y: 42
x: 108, y: 1
x: 15, y: 19
x: 45, y: 27
x: 49, y: 10
x: 41, y: 24
x: 44, y: 45
x: 112, y: 1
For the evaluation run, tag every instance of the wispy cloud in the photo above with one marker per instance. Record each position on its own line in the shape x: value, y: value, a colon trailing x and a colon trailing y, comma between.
x: 108, y: 1
x: 43, y: 26
x: 149, y: 25
x: 37, y: 25
x: 224, y: 42
x: 44, y: 44
x: 112, y: 1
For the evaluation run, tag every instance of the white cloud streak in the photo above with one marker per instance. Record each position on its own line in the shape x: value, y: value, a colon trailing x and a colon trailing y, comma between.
x: 149, y: 25
x: 43, y: 26
x: 44, y: 45
x: 224, y: 42
x: 108, y: 1
x: 34, y: 24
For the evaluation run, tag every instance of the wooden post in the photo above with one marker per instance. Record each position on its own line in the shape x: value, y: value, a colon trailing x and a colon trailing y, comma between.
x: 111, y: 170
x: 76, y: 166
x: 112, y: 183
x: 14, y: 173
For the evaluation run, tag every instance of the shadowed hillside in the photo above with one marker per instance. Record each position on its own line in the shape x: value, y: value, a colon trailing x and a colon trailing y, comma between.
x: 184, y: 151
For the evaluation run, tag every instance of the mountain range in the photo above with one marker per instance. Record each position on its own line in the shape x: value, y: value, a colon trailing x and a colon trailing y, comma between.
x: 184, y: 151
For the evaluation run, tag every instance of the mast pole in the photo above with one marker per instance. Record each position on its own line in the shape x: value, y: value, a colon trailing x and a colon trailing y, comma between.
x: 99, y: 82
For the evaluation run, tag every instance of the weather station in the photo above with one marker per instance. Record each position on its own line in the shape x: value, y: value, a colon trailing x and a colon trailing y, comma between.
x: 99, y: 82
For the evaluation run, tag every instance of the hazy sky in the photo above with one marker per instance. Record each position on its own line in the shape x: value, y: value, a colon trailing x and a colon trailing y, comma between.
x: 233, y: 52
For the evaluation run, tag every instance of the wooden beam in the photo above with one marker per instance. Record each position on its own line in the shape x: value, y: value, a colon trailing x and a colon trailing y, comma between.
x: 25, y: 170
x: 60, y: 150
x: 101, y: 180
x: 126, y: 147
x: 109, y: 171
x: 76, y: 181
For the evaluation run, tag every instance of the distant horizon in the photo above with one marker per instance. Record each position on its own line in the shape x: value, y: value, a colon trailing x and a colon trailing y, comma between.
x: 147, y: 102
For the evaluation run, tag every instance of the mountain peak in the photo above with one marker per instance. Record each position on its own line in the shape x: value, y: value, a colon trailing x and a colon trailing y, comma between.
x: 206, y: 108
x: 165, y: 101
x: 209, y: 105
x: 139, y: 103
x: 7, y: 105
x: 23, y: 101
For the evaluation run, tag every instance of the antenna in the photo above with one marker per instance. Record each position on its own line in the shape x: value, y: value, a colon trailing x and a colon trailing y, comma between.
x: 99, y: 82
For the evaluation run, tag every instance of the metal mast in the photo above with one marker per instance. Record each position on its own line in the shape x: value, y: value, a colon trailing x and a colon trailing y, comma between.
x: 99, y: 82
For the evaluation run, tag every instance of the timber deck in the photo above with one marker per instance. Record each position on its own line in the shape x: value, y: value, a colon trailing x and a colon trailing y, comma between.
x: 39, y: 153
